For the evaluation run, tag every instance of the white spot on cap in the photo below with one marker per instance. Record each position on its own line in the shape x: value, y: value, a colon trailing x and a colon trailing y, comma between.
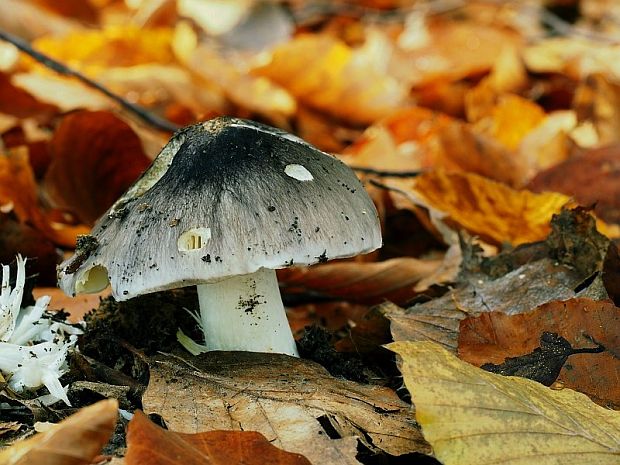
x: 193, y: 239
x: 298, y: 172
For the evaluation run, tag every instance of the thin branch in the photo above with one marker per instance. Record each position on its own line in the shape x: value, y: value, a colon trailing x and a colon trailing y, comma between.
x: 142, y: 113
x: 387, y: 174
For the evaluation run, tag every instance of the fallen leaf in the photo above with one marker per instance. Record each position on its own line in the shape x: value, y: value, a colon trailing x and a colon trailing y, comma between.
x: 544, y: 363
x: 453, y: 50
x: 92, y: 149
x: 417, y: 138
x: 76, y: 307
x: 491, y: 337
x: 371, y: 282
x: 18, y: 190
x: 19, y: 238
x: 325, y: 73
x: 17, y: 102
x: 77, y: 440
x: 597, y: 101
x: 483, y: 207
x: 256, y: 93
x: 517, y: 292
x: 592, y: 178
x: 92, y: 51
x: 286, y: 399
x: 510, y: 120
x: 470, y: 416
x: 148, y: 443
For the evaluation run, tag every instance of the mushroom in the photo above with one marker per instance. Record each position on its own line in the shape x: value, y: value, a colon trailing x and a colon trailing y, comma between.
x: 225, y: 204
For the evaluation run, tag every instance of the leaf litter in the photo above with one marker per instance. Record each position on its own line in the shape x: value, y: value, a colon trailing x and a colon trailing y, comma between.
x: 480, y: 119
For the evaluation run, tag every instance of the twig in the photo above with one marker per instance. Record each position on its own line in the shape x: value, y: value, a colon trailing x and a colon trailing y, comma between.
x: 60, y: 68
x: 387, y: 174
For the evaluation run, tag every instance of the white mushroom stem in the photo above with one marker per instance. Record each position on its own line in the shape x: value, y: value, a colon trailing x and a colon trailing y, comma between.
x: 245, y: 313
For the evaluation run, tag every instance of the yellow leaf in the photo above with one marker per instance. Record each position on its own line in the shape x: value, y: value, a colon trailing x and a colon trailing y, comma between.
x: 95, y: 51
x: 511, y: 119
x: 470, y: 416
x: 487, y: 208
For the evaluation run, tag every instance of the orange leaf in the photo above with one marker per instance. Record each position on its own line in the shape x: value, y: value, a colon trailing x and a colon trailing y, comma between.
x: 18, y: 190
x: 327, y: 74
x: 393, y: 279
x: 455, y: 50
x: 95, y: 158
x: 489, y: 209
x: 77, y: 440
x: 148, y: 443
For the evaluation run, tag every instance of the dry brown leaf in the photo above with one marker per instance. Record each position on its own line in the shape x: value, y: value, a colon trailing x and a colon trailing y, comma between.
x: 393, y: 279
x: 95, y: 158
x: 77, y: 440
x: 592, y: 177
x: 148, y: 443
x: 517, y: 292
x: 76, y: 306
x: 326, y: 74
x: 491, y: 210
x: 404, y: 141
x: 472, y: 417
x: 282, y: 398
x: 491, y: 337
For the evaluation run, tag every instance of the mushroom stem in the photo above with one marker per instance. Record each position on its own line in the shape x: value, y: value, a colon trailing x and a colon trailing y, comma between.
x: 245, y: 313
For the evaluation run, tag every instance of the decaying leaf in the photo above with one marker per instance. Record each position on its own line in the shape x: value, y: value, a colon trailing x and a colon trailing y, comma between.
x: 584, y: 323
x: 76, y: 440
x: 517, y: 292
x: 470, y: 416
x: 544, y: 363
x: 285, y: 399
x: 148, y: 443
x: 95, y: 158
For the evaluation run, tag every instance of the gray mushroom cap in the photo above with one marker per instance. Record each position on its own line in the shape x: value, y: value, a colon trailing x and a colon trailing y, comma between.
x: 224, y: 198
